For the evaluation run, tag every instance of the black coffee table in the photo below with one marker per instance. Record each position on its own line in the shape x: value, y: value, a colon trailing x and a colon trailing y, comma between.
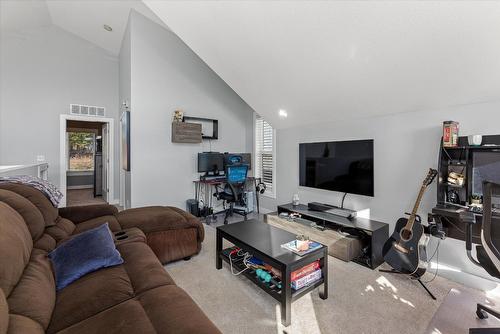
x: 264, y: 242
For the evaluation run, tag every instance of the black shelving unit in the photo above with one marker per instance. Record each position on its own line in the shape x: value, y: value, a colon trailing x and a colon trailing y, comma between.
x: 459, y: 159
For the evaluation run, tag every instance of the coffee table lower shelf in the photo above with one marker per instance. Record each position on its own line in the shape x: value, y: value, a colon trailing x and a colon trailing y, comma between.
x: 276, y: 293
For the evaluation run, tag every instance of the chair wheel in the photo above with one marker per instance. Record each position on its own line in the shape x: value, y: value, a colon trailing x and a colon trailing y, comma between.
x: 481, y: 314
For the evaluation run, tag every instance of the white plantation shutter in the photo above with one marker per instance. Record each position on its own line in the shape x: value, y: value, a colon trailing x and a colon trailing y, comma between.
x: 264, y: 142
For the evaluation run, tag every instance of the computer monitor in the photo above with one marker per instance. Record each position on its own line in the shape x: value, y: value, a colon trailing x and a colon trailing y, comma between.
x: 238, y: 159
x: 236, y: 173
x: 485, y: 167
x: 210, y: 162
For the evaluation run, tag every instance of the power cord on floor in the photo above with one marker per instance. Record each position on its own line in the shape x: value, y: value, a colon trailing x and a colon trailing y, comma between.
x: 436, y: 253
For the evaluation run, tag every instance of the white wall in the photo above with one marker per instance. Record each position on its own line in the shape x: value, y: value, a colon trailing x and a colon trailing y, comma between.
x: 167, y: 75
x: 406, y: 145
x: 42, y: 71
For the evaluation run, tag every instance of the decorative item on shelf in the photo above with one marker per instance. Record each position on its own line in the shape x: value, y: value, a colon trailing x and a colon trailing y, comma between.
x: 453, y: 197
x: 476, y: 200
x: 189, y: 133
x: 178, y: 116
x: 295, y: 199
x: 450, y: 134
x: 302, y: 242
x: 475, y: 140
x: 456, y: 178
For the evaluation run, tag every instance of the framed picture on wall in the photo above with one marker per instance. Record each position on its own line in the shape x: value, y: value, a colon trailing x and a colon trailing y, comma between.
x: 125, y: 140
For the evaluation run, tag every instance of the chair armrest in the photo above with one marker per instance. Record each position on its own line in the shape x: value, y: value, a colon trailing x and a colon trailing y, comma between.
x: 78, y: 214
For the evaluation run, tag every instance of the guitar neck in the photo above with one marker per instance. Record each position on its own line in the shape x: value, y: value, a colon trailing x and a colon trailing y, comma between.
x: 413, y: 215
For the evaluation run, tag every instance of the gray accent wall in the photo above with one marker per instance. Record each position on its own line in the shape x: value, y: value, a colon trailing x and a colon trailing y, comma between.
x: 167, y: 75
x: 43, y: 70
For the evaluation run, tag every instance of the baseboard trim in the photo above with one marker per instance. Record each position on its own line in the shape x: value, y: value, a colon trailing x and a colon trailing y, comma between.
x: 114, y: 202
x: 84, y: 186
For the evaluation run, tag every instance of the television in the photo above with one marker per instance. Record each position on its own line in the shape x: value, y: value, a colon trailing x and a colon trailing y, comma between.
x: 344, y: 166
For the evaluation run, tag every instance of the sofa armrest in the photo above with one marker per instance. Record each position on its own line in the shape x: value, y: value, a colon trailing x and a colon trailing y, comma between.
x: 78, y: 214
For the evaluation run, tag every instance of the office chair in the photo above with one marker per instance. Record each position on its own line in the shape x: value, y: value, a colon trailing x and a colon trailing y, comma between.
x: 234, y: 190
x: 488, y: 253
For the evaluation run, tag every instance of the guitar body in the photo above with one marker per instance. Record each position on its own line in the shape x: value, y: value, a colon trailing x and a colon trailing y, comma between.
x: 406, y: 256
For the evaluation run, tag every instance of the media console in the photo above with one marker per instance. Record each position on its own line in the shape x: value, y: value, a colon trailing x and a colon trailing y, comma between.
x: 373, y: 233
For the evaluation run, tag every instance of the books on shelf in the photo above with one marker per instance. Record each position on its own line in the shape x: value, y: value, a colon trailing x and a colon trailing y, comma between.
x: 306, y: 280
x: 305, y: 270
x: 292, y: 246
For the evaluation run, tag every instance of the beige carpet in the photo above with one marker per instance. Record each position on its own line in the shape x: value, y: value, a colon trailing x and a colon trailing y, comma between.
x: 360, y: 300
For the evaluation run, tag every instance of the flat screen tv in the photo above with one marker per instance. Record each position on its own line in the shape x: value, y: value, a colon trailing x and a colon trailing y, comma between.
x: 344, y: 166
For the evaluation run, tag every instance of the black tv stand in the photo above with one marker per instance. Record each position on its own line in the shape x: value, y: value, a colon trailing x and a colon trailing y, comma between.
x: 376, y: 232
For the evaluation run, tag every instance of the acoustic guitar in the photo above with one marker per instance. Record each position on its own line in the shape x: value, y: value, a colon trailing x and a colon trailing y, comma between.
x: 405, y: 249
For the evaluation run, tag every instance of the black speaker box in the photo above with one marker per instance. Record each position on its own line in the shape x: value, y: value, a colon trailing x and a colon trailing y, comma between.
x: 192, y: 207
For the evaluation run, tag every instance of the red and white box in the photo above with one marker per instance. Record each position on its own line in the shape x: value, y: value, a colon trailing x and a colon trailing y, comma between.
x: 306, y: 280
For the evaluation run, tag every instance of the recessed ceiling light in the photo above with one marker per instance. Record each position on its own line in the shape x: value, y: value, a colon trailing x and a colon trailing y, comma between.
x: 107, y: 28
x: 283, y: 113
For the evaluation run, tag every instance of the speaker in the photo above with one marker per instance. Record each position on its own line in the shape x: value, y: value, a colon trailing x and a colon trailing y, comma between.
x: 192, y: 207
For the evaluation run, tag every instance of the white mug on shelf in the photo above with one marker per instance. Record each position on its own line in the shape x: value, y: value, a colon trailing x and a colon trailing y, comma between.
x: 475, y: 140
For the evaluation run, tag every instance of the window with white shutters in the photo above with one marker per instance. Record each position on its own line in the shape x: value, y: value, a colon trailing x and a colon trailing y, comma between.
x: 264, y: 151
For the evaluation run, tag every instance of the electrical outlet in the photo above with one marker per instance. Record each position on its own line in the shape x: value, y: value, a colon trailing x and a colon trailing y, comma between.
x: 40, y: 158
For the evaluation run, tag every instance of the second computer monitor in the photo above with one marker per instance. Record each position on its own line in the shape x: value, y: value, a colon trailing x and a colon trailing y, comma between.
x: 210, y: 162
x: 238, y: 159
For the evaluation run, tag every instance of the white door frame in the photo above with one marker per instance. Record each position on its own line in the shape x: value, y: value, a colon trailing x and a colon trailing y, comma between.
x: 63, y: 151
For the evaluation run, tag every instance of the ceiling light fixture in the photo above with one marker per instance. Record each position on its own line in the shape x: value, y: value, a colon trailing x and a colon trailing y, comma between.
x: 283, y: 113
x: 107, y: 28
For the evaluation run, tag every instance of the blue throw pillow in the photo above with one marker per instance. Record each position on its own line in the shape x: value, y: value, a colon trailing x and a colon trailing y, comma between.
x: 84, y: 253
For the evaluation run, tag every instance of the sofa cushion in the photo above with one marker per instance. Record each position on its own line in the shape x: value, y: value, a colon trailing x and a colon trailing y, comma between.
x: 171, y: 310
x: 62, y: 229
x: 139, y: 259
x: 34, y: 296
x: 167, y: 309
x: 49, y: 212
x: 81, y: 213
x: 4, y: 313
x: 15, y: 247
x: 30, y: 213
x: 21, y: 324
x: 84, y: 253
x: 92, y: 223
x: 91, y: 294
x: 46, y: 243
x: 157, y: 218
x: 127, y: 317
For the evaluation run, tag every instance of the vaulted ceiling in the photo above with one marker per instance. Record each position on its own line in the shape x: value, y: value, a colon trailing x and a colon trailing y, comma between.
x: 84, y: 18
x: 332, y: 60
x: 319, y: 60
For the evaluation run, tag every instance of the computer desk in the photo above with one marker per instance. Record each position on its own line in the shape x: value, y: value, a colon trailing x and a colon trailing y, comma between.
x: 207, y: 188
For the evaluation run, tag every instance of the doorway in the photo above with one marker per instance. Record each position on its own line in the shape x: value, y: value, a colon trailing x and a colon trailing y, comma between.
x: 86, y: 160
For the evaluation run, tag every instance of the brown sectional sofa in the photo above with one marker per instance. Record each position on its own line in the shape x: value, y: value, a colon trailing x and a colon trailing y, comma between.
x: 172, y: 234
x: 135, y: 297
